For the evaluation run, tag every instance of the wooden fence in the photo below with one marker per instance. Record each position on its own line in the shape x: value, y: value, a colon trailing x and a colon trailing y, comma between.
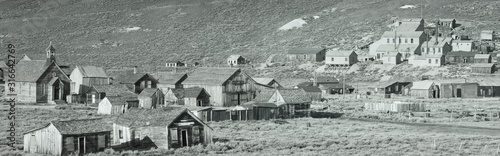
x: 396, y: 107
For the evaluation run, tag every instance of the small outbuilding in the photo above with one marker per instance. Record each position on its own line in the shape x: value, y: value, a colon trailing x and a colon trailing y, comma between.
x: 462, y: 45
x: 174, y: 64
x: 234, y: 60
x: 450, y: 23
x: 99, y: 92
x: 424, y: 89
x: 337, y: 88
x: 341, y: 57
x: 255, y: 111
x: 115, y: 105
x: 482, y: 58
x: 69, y: 137
x: 487, y: 35
x: 291, y: 103
x: 164, y: 128
x: 151, y: 98
x: 392, y: 58
x: 313, y: 92
x: 484, y: 68
x: 460, y: 57
x: 193, y: 97
x: 306, y: 54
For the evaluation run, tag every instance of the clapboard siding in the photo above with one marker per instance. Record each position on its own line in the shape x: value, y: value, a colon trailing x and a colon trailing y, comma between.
x: 47, y: 140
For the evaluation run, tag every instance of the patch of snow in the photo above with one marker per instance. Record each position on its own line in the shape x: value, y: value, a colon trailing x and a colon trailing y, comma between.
x: 296, y: 23
x: 315, y: 17
x: 132, y: 29
x: 408, y: 7
x: 333, y: 9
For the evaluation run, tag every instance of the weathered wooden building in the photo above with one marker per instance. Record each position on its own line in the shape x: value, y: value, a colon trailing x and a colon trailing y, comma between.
x: 226, y: 86
x: 114, y: 105
x: 341, y: 57
x: 314, y: 92
x: 133, y: 79
x: 151, y: 98
x: 424, y: 89
x: 174, y: 64
x: 234, y: 60
x: 460, y: 57
x: 450, y: 23
x: 40, y: 81
x: 255, y: 111
x: 98, y: 92
x: 165, y: 128
x: 391, y: 87
x: 482, y: 58
x: 193, y: 97
x: 488, y: 86
x: 488, y: 35
x: 169, y: 80
x: 306, y: 54
x: 68, y: 137
x: 82, y: 80
x: 457, y: 88
x: 483, y: 68
x: 291, y: 103
x: 337, y: 88
x: 462, y: 45
x: 267, y: 81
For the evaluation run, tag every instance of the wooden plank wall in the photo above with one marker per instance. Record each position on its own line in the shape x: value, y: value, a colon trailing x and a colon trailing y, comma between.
x: 47, y: 140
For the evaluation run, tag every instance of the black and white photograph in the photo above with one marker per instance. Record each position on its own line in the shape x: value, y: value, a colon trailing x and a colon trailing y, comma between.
x: 249, y: 77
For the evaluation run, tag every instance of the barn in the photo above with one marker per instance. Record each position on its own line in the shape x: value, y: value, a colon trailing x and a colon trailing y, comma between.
x: 151, y: 98
x: 41, y: 81
x: 424, y: 89
x: 193, y: 97
x: 164, y: 128
x: 482, y: 58
x: 483, y: 68
x: 134, y: 80
x: 98, y: 92
x: 306, y: 54
x: 226, y: 86
x: 68, y: 137
x: 82, y: 80
x: 114, y: 105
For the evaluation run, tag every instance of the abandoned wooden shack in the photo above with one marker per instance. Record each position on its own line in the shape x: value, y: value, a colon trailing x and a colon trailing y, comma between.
x: 151, y: 98
x: 255, y: 111
x: 69, y: 137
x: 424, y: 89
x: 482, y: 58
x: 483, y: 68
x: 291, y: 103
x: 391, y: 87
x: 314, y: 92
x: 457, y: 88
x: 226, y: 86
x: 488, y: 86
x: 460, y: 57
x: 164, y: 128
x: 134, y: 80
x: 234, y: 60
x: 174, y: 64
x: 193, y: 97
x: 336, y: 88
x: 99, y: 92
x: 115, y: 105
x: 392, y: 58
x: 306, y: 54
x: 341, y: 57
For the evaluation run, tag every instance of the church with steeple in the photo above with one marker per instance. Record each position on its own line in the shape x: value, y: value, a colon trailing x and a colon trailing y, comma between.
x: 41, y: 81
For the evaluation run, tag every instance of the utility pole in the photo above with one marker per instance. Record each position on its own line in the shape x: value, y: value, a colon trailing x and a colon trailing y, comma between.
x: 343, y: 84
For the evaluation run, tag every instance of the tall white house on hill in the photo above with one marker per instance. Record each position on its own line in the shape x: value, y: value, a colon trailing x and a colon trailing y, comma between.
x: 405, y: 38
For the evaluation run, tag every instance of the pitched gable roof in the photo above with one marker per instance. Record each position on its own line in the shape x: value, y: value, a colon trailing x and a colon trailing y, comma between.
x: 153, y: 117
x: 305, y: 50
x: 263, y: 80
x: 482, y: 65
x: 461, y: 53
x: 264, y: 95
x: 168, y: 78
x: 81, y: 126
x: 29, y: 70
x: 191, y: 92
x: 335, y: 86
x: 117, y: 100
x: 482, y: 56
x: 292, y: 96
x: 210, y: 76
x: 422, y: 85
x: 311, y: 89
x: 125, y: 76
x: 234, y: 57
x: 148, y: 92
x: 92, y: 71
x: 114, y: 90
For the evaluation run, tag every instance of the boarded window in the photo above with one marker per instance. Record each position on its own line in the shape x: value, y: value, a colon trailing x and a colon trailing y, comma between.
x: 120, y: 134
x: 411, y: 40
x: 388, y: 41
x: 173, y: 136
x: 70, y: 147
x: 196, y: 135
x: 101, y: 141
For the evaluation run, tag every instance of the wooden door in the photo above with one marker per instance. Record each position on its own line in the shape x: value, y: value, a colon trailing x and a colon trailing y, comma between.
x: 81, y: 145
x: 33, y: 147
x: 459, y: 92
x: 184, y: 138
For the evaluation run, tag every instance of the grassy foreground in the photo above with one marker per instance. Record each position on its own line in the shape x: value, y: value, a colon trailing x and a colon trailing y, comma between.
x: 294, y: 137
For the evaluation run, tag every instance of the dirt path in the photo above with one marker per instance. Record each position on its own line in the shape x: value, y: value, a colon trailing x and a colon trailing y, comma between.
x: 439, y: 128
x: 4, y: 107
